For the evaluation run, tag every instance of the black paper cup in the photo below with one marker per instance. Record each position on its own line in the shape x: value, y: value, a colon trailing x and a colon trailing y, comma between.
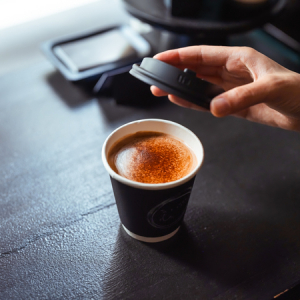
x: 152, y: 212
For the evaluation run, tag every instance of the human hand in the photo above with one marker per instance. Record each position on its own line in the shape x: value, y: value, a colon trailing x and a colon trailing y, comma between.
x: 256, y: 87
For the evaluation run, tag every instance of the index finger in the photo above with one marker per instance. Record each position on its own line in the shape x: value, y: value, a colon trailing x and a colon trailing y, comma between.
x: 197, y: 55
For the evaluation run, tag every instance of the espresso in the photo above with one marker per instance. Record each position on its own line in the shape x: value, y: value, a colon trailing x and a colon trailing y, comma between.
x: 151, y: 157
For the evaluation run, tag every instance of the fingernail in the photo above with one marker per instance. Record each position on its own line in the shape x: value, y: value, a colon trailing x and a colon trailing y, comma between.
x: 221, y: 106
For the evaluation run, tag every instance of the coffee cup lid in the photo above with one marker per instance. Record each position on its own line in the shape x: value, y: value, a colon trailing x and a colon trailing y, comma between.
x: 184, y: 84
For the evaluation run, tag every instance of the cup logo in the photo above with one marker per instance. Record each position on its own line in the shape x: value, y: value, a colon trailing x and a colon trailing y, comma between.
x: 169, y: 212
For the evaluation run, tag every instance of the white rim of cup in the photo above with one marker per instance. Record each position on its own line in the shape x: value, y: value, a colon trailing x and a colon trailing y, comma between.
x: 151, y: 186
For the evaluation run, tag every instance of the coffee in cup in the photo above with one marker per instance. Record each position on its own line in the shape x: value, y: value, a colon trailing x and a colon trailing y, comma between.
x: 152, y: 207
x: 151, y: 157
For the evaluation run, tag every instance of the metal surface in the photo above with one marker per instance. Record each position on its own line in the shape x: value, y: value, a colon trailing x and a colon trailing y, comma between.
x: 211, y: 22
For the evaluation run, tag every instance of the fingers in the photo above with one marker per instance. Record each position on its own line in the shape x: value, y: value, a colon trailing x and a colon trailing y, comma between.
x: 176, y: 100
x: 233, y: 101
x: 198, y: 55
x: 157, y: 92
x: 243, y: 97
x: 216, y: 64
x: 184, y: 103
x: 232, y: 68
x: 227, y: 63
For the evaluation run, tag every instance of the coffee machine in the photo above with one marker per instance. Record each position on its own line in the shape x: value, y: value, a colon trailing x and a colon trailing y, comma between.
x: 156, y: 26
x: 195, y: 22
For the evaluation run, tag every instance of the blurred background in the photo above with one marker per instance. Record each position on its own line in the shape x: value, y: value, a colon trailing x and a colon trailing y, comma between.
x: 24, y: 25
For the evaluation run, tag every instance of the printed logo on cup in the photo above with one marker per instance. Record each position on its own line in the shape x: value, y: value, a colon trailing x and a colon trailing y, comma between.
x: 169, y: 212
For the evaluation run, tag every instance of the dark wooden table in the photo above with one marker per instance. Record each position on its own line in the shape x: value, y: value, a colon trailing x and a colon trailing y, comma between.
x: 60, y: 234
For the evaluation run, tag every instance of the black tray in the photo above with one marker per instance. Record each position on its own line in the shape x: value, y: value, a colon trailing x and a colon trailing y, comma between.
x: 61, y: 53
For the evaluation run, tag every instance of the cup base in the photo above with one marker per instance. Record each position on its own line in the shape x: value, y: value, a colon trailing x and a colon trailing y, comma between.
x: 150, y: 239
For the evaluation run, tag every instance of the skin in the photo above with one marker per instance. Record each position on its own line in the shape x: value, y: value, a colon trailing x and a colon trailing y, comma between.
x: 256, y: 87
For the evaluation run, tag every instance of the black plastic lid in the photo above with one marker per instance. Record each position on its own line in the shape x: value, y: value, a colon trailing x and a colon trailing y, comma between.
x: 172, y: 80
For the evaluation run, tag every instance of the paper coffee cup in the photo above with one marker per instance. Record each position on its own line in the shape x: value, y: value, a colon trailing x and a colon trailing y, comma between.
x: 152, y: 212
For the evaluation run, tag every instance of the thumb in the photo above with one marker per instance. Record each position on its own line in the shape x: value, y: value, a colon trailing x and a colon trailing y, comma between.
x: 242, y: 97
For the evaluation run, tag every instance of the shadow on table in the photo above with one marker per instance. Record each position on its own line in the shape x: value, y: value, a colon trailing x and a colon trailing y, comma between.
x: 223, y: 254
x: 124, y: 98
x: 71, y: 94
x: 124, y: 89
